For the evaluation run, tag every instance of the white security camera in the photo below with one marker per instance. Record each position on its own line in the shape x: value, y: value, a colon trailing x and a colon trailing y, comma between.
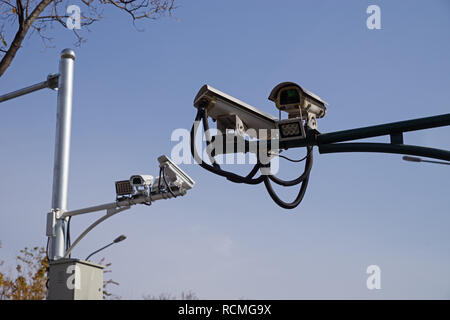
x: 141, y: 180
x: 298, y: 103
x: 233, y: 114
x: 174, y: 175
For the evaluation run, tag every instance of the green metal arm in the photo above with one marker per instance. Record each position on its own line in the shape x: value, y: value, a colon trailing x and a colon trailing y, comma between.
x: 385, y: 129
x: 385, y: 148
x: 327, y: 141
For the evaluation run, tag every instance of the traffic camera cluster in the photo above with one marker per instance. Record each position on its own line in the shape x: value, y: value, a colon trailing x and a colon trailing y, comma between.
x: 171, y: 180
x: 238, y: 123
x: 237, y: 120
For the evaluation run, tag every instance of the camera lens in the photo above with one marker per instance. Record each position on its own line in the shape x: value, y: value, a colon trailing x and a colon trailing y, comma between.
x: 289, y: 96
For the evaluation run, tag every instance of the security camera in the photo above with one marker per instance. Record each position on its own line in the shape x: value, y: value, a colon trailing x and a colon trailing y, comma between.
x: 298, y: 103
x: 233, y: 114
x: 141, y: 180
x: 141, y: 184
x: 174, y: 175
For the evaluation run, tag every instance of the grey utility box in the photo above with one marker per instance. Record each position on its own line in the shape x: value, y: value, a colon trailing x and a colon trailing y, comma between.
x: 74, y: 279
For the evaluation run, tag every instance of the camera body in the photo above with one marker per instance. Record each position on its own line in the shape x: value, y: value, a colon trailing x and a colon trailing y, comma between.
x: 141, y: 183
x: 298, y: 103
x: 176, y: 178
x: 141, y: 180
x: 146, y: 185
x: 233, y: 114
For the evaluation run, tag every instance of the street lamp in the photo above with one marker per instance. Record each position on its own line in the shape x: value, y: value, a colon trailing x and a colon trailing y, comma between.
x: 116, y: 240
x: 417, y: 159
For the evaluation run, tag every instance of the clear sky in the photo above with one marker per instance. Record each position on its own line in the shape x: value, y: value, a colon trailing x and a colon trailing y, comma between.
x: 224, y: 240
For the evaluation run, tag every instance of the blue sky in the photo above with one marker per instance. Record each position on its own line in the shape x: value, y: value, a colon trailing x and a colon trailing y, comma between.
x: 223, y: 240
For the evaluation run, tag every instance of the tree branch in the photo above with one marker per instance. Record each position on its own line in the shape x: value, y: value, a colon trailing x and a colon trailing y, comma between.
x: 19, y: 12
x: 31, y: 20
x: 24, y: 26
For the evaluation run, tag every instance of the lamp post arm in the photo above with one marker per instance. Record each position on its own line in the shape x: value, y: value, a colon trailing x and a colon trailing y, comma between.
x: 114, y: 208
x: 109, y: 214
x: 97, y: 251
x: 51, y: 82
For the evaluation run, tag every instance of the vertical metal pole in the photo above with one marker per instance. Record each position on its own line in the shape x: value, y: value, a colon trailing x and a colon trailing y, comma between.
x: 62, y: 152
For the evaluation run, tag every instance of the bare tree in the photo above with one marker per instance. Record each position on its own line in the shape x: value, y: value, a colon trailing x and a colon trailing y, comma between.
x: 19, y: 18
x: 189, y: 295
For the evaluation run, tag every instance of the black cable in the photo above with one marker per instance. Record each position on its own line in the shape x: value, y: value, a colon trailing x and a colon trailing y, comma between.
x: 68, y: 241
x: 280, y: 202
x: 249, y: 178
x: 46, y: 249
x: 215, y: 168
x: 292, y: 160
x: 159, y: 179
x: 208, y: 142
x: 167, y: 185
x: 302, y: 177
x: 301, y: 192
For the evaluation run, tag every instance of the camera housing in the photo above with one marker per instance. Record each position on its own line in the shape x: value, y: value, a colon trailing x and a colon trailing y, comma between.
x: 141, y: 183
x: 141, y: 180
x: 175, y: 176
x: 298, y: 103
x: 233, y: 114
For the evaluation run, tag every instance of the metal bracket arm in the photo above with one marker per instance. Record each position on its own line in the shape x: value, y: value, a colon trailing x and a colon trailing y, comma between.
x: 51, y: 82
x: 327, y: 141
x: 113, y: 208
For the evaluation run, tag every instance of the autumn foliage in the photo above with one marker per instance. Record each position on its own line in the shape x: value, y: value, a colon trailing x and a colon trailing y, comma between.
x: 29, y: 280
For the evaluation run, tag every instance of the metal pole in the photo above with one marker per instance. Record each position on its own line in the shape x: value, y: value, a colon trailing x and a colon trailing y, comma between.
x: 62, y: 152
